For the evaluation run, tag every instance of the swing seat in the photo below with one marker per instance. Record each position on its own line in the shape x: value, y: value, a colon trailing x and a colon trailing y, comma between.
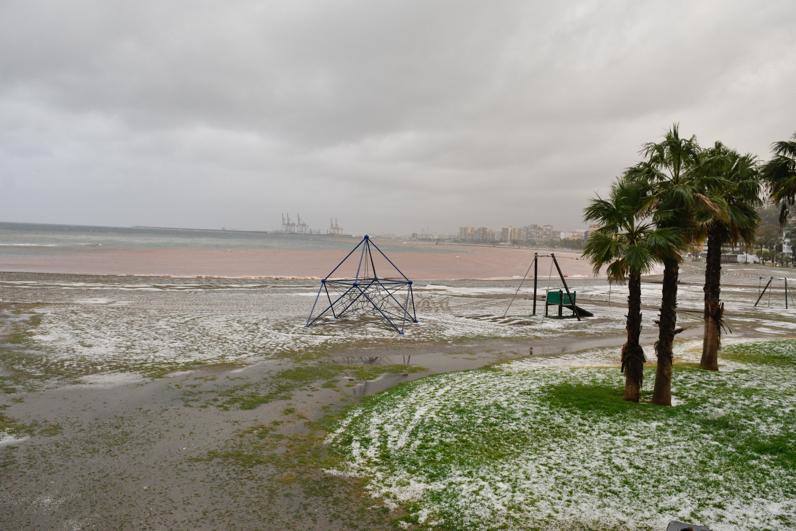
x: 561, y: 300
x: 559, y: 297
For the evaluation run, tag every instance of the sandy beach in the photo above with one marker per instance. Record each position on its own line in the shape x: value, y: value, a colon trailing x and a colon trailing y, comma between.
x: 189, y: 402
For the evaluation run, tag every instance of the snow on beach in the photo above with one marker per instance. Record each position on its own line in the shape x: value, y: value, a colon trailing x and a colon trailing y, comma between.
x: 121, y: 323
x: 124, y: 324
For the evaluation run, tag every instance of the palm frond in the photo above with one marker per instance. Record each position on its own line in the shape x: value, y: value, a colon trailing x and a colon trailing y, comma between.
x: 785, y: 148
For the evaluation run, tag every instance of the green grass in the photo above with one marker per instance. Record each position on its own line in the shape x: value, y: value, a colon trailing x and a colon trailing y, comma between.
x: 12, y: 427
x: 297, y: 459
x: 284, y: 383
x: 533, y: 446
x: 606, y: 400
x: 293, y: 447
x: 774, y: 353
x: 7, y: 386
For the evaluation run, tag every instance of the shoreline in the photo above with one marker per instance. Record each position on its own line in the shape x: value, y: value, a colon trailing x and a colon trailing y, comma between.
x: 263, y: 277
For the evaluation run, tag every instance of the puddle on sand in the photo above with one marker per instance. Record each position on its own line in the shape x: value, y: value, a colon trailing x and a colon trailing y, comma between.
x: 382, y: 383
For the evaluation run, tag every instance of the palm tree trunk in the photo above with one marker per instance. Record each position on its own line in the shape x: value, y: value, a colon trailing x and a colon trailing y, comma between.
x: 713, y: 307
x: 632, y: 353
x: 662, y: 393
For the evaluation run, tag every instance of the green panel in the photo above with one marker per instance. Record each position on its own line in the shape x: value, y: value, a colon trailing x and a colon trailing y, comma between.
x: 557, y: 297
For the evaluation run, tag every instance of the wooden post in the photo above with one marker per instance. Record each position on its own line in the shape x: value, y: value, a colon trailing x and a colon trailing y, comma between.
x: 786, y: 293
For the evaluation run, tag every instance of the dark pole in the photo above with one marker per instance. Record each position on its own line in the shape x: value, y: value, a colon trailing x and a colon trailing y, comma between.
x: 764, y: 291
x: 361, y: 256
x: 388, y: 259
x: 520, y: 286
x: 561, y: 275
x: 535, y: 279
x: 318, y: 296
x: 786, y: 293
x: 344, y: 259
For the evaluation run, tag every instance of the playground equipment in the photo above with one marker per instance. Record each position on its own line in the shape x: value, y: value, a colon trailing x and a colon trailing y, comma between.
x: 560, y: 298
x: 768, y: 288
x: 391, y: 298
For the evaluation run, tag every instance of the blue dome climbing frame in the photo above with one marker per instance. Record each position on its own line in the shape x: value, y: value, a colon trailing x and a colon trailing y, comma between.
x: 389, y: 297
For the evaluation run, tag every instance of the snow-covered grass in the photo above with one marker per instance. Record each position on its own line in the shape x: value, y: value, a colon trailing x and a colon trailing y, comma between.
x: 534, y: 444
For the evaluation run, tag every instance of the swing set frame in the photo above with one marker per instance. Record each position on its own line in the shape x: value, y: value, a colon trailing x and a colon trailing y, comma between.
x: 535, y: 265
x: 768, y: 287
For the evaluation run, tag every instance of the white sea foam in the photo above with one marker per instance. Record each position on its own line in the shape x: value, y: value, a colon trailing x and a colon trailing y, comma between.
x: 94, y: 300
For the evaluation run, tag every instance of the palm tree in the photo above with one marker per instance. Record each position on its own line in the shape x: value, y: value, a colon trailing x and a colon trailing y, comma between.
x: 739, y: 192
x: 681, y: 205
x: 780, y: 175
x: 628, y: 243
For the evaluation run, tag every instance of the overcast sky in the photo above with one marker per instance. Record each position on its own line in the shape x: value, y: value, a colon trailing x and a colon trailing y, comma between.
x: 391, y: 116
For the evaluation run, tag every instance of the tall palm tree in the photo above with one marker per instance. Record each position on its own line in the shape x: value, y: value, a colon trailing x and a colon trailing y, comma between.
x: 681, y: 205
x: 739, y: 192
x: 780, y: 176
x: 628, y: 243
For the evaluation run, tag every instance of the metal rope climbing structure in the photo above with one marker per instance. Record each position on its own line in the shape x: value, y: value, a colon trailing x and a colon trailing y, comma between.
x: 389, y: 297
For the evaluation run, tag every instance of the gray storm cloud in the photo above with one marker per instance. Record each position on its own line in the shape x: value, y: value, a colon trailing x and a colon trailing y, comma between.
x: 391, y: 116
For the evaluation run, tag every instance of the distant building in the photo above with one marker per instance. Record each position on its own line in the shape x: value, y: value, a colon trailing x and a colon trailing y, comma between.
x: 534, y: 233
x: 739, y: 258
x: 529, y: 234
x: 484, y: 234
x: 573, y: 235
x: 540, y: 233
x: 589, y: 231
